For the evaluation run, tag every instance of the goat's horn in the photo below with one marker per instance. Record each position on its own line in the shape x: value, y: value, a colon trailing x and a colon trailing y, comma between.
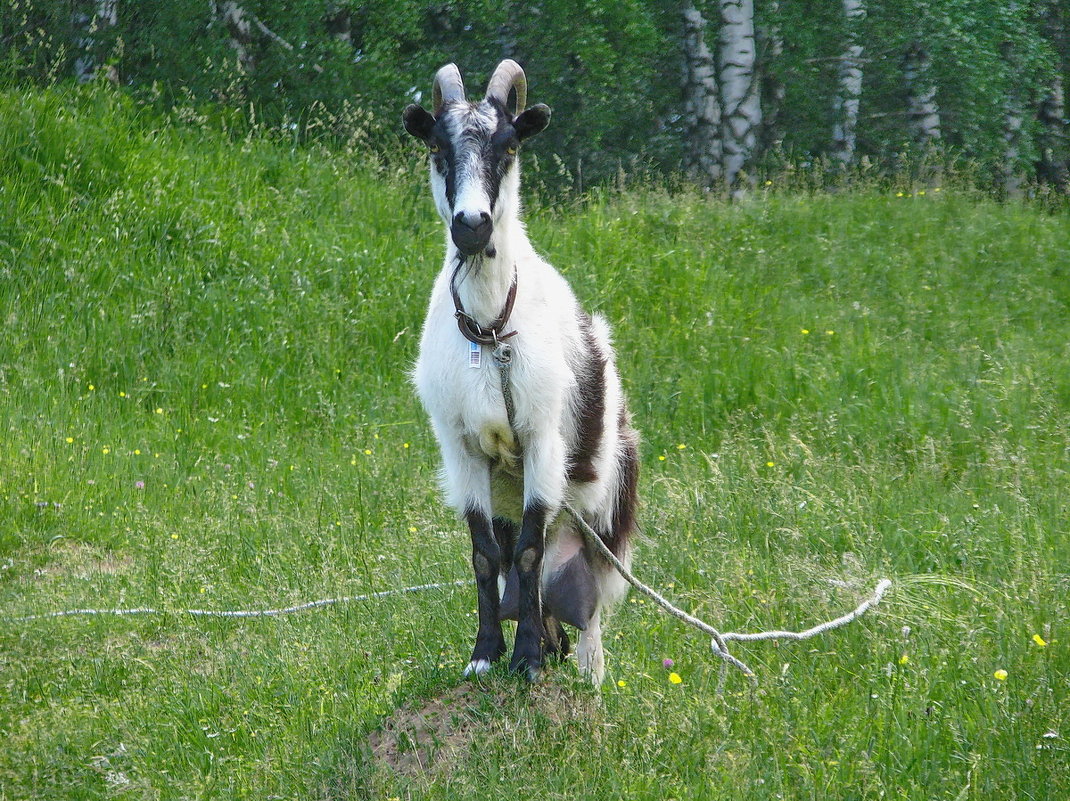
x: 447, y: 87
x: 508, y: 75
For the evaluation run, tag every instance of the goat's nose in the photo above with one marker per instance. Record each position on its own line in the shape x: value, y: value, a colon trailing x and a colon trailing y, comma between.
x: 472, y: 219
x: 471, y: 231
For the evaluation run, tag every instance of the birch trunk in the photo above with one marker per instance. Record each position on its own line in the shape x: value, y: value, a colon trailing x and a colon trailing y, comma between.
x: 849, y: 97
x: 1012, y: 126
x: 923, y: 112
x: 741, y: 108
x: 702, y: 158
x: 240, y: 30
x: 771, y: 49
x: 105, y: 15
x: 1054, y: 164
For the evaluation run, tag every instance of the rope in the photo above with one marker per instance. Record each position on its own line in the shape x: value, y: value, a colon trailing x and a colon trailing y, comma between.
x: 718, y: 640
x: 245, y: 613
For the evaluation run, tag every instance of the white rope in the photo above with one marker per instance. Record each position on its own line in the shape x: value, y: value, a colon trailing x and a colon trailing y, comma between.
x: 718, y: 640
x: 286, y: 610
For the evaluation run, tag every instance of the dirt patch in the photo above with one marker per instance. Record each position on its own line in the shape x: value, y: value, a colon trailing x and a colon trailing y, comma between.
x: 418, y: 739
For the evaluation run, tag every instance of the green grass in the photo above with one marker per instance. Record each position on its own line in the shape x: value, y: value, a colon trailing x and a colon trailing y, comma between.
x: 204, y: 403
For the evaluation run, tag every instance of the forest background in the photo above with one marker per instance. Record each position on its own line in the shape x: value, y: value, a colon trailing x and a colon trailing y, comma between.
x: 728, y: 94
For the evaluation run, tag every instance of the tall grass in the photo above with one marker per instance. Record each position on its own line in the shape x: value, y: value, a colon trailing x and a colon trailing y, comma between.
x: 204, y: 403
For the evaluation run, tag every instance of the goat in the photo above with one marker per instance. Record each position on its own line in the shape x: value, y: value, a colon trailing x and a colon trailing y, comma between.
x: 543, y: 426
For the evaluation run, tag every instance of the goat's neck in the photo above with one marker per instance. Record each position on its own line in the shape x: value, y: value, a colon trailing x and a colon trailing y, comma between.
x: 487, y: 278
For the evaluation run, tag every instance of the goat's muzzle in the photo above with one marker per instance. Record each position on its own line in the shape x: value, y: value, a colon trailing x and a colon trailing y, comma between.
x: 471, y: 231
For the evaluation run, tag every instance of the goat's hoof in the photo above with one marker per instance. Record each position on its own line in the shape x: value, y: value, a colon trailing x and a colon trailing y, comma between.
x: 477, y: 667
x: 528, y: 668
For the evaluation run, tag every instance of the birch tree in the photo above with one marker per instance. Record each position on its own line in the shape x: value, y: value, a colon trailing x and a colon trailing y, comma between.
x: 741, y: 109
x: 240, y: 30
x: 1053, y: 165
x: 702, y: 110
x: 91, y: 25
x: 849, y: 94
x: 923, y: 112
x: 1013, y: 119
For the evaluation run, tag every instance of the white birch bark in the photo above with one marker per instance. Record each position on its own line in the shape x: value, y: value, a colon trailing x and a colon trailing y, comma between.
x: 923, y: 112
x: 702, y: 110
x: 1013, y: 121
x: 1054, y: 164
x: 849, y: 97
x: 240, y: 30
x: 105, y: 15
x: 741, y: 108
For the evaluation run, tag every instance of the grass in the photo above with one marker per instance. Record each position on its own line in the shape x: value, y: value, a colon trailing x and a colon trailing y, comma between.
x: 204, y: 403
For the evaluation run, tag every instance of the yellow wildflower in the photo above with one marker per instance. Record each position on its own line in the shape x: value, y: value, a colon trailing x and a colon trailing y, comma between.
x: 904, y: 659
x: 674, y: 678
x: 1039, y: 640
x: 622, y: 683
x: 1000, y: 674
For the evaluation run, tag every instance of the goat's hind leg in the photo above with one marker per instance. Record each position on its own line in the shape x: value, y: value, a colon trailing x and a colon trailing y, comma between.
x: 486, y: 562
x: 589, y: 655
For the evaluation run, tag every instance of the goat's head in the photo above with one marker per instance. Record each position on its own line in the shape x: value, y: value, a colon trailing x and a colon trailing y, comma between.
x: 474, y: 177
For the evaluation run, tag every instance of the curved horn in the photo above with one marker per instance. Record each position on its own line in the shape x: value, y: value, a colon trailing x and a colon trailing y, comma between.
x: 447, y: 87
x: 508, y: 75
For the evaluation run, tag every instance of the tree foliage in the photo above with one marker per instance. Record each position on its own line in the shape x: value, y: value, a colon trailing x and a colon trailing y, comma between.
x: 612, y: 70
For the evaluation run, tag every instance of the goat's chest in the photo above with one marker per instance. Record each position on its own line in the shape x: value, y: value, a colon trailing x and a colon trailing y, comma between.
x: 461, y: 388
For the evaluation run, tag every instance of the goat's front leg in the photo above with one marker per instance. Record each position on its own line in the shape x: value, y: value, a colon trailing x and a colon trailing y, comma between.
x: 544, y: 483
x: 467, y: 484
x: 527, y: 651
x: 486, y: 562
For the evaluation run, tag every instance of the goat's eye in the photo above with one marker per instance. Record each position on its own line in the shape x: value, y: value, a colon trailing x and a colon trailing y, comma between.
x: 435, y: 149
x: 510, y: 149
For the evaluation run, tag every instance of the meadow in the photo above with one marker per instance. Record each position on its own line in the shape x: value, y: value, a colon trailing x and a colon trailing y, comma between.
x: 204, y: 404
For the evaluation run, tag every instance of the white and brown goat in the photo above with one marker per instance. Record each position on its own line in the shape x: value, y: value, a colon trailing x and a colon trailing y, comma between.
x: 555, y: 428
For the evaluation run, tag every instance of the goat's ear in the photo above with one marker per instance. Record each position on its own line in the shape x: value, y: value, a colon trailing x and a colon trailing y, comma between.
x: 532, y: 121
x: 418, y: 122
